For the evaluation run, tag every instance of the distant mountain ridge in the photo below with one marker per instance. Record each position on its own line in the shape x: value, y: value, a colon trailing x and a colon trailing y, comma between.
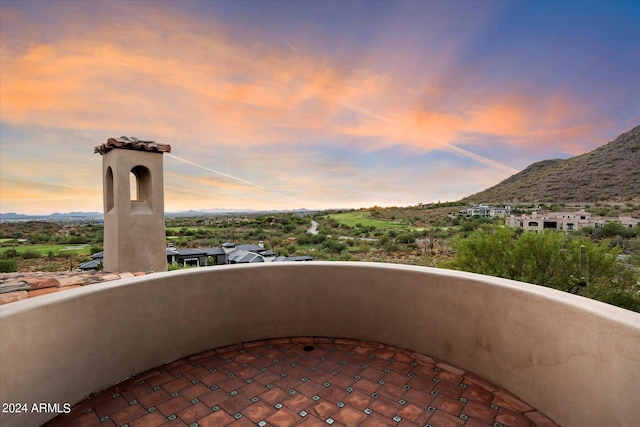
x: 610, y: 173
x: 81, y: 216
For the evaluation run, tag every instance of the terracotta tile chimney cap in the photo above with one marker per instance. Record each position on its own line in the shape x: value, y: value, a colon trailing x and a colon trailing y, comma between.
x: 132, y: 143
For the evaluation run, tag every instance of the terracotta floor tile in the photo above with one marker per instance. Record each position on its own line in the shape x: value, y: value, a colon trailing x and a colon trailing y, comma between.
x: 110, y: 406
x: 512, y: 419
x: 451, y: 368
x: 258, y: 411
x: 309, y: 421
x: 214, y: 397
x: 178, y: 366
x: 372, y: 374
x: 472, y: 422
x: 443, y: 419
x: 154, y: 398
x: 129, y: 414
x: 193, y: 413
x: 477, y: 394
x: 401, y: 367
x: 211, y: 378
x: 349, y: 416
x: 252, y: 390
x: 287, y: 383
x: 176, y: 385
x: 235, y: 404
x: 333, y: 394
x: 482, y: 412
x: 310, y: 388
x: 352, y: 368
x: 153, y: 419
x: 320, y: 376
x: 366, y: 386
x: 412, y: 412
x: 449, y: 389
x: 378, y: 363
x: 136, y: 391
x: 195, y: 373
x: 173, y: 405
x: 231, y: 384
x: 358, y: 400
x: 273, y: 396
x: 374, y: 421
x: 472, y: 379
x: 195, y: 391
x: 395, y: 378
x: 161, y: 378
x: 385, y: 407
x: 267, y: 378
x: 283, y: 418
x: 392, y: 392
x: 419, y: 397
x: 216, y: 419
x: 504, y: 399
x: 447, y: 404
x: 449, y: 377
x: 322, y: 409
x: 176, y: 422
x: 384, y: 353
x: 342, y: 380
x: 328, y: 382
x: 297, y: 402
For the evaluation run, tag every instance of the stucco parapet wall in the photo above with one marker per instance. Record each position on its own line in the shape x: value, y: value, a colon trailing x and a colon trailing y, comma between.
x: 132, y: 143
x: 576, y: 360
x: 18, y: 286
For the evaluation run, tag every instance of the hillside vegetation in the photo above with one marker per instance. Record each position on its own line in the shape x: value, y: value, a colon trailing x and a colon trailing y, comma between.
x: 610, y: 173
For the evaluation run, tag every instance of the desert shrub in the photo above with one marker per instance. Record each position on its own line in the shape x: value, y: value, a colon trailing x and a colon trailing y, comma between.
x: 30, y: 254
x: 9, y: 253
x: 405, y: 238
x: 334, y: 246
x: 8, y: 265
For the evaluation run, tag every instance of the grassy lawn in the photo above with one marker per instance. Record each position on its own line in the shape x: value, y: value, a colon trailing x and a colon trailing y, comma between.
x: 6, y: 240
x: 350, y: 219
x: 56, y: 249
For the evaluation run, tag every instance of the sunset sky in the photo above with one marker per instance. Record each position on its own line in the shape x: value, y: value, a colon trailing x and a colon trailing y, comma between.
x: 314, y: 104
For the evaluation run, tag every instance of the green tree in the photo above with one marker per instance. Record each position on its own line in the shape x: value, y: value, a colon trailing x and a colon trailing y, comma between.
x: 548, y: 259
x: 539, y: 259
x: 487, y: 252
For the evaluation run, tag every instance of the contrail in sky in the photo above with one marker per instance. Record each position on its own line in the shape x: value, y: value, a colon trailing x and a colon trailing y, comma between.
x: 226, y: 175
x: 444, y: 146
x: 289, y: 44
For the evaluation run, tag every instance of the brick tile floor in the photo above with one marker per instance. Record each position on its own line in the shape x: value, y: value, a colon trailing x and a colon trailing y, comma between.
x: 305, y: 382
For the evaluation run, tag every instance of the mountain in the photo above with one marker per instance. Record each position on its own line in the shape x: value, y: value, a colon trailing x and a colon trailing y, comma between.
x: 610, y: 173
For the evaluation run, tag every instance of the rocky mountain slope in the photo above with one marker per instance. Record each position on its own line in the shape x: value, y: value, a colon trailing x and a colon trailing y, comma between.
x: 610, y: 173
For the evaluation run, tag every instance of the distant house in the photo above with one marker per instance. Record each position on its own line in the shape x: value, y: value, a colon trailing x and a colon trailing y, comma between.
x: 240, y: 256
x: 94, y: 264
x: 196, y: 257
x: 227, y: 253
x: 486, y: 211
x: 565, y: 221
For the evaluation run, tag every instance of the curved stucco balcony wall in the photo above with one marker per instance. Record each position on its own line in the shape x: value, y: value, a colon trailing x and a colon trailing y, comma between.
x: 574, y: 359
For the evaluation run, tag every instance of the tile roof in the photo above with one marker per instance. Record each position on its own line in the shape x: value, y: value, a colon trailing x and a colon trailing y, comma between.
x: 240, y: 257
x: 132, y: 143
x: 305, y: 381
x: 19, y: 286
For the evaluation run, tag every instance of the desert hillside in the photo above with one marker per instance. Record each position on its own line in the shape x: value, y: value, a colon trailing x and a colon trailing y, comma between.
x: 610, y: 173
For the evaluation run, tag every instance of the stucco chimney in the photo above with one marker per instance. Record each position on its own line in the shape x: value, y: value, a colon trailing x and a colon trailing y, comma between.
x: 133, y: 193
